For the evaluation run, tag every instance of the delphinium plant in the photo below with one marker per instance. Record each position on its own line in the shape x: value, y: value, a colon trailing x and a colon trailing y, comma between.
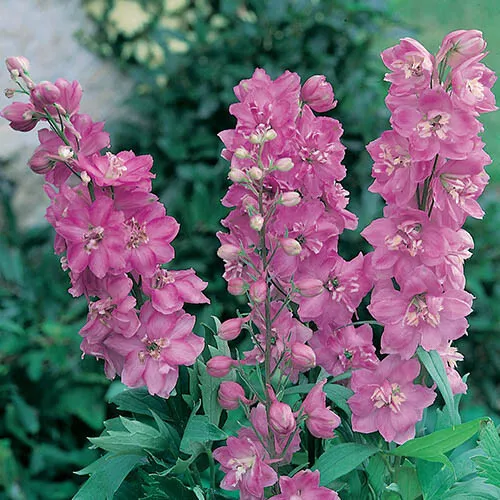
x: 261, y: 380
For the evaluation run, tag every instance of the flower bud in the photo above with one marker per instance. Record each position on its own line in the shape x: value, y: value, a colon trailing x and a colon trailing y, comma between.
x: 256, y: 222
x: 459, y: 46
x: 255, y: 138
x: 9, y: 93
x: 40, y: 163
x: 228, y: 252
x: 236, y: 175
x: 318, y: 94
x: 220, y: 366
x: 309, y: 287
x: 241, y: 153
x: 231, y: 328
x: 237, y: 286
x: 44, y: 94
x: 85, y: 178
x: 270, y: 135
x: 281, y: 418
x: 230, y: 394
x: 20, y: 115
x: 65, y: 152
x: 302, y: 356
x: 290, y: 199
x: 290, y: 246
x: 284, y: 164
x: 258, y: 291
x: 255, y: 173
x: 17, y: 64
x: 321, y: 422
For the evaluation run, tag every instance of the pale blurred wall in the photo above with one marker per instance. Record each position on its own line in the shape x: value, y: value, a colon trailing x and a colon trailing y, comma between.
x: 44, y: 32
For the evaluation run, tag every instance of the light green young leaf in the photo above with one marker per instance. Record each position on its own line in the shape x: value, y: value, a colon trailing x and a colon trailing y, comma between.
x: 434, y: 446
x: 341, y: 459
x: 434, y: 365
x: 489, y: 466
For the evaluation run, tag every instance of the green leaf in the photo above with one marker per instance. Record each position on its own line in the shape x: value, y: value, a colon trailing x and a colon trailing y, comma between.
x: 338, y: 395
x: 140, y: 401
x: 341, y: 459
x: 198, y: 433
x: 435, y: 445
x: 138, y: 438
x: 409, y: 486
x: 26, y: 414
x: 434, y: 365
x: 209, y: 388
x: 376, y: 470
x: 86, y: 403
x: 106, y: 476
x: 489, y: 466
x: 169, y: 488
x: 474, y: 489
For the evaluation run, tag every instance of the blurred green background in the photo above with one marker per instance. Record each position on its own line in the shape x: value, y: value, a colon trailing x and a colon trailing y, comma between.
x: 184, y: 57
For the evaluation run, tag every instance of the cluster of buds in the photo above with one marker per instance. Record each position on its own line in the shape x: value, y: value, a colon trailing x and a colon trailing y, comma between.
x: 430, y: 171
x: 113, y: 235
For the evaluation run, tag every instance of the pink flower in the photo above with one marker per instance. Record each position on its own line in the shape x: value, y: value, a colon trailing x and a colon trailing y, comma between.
x: 113, y: 312
x: 243, y: 462
x: 21, y: 116
x: 459, y: 46
x: 433, y: 126
x: 231, y: 328
x: 387, y: 401
x: 412, y: 66
x: 342, y: 349
x: 230, y: 394
x: 153, y: 354
x: 121, y: 169
x: 318, y: 94
x: 220, y: 366
x: 150, y: 233
x: 169, y: 290
x: 396, y: 174
x: 95, y: 236
x: 304, y: 485
x: 281, y: 418
x: 420, y: 313
x: 321, y: 421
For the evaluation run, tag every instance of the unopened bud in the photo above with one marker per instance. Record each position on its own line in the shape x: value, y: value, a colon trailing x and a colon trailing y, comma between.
x: 220, y: 366
x: 228, y: 252
x: 270, y: 135
x: 302, y: 356
x: 236, y: 175
x: 318, y: 94
x: 231, y: 328
x: 258, y: 291
x: 17, y: 65
x: 290, y: 199
x: 284, y: 164
x: 237, y: 286
x: 84, y: 176
x: 45, y: 93
x: 65, y: 152
x: 255, y: 138
x: 9, y: 93
x: 230, y: 395
x: 290, y: 246
x: 255, y: 173
x: 256, y: 222
x: 309, y: 287
x: 281, y: 418
x: 241, y: 153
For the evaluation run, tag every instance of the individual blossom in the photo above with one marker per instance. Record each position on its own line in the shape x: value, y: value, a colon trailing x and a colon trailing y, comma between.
x: 154, y: 353
x: 114, y: 311
x: 434, y: 126
x: 304, y: 485
x: 95, y: 236
x: 342, y: 349
x: 420, y: 313
x: 396, y: 174
x: 411, y: 67
x: 243, y: 460
x: 320, y: 420
x: 386, y: 399
x: 450, y: 356
x: 22, y: 116
x: 169, y: 289
x: 149, y: 234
